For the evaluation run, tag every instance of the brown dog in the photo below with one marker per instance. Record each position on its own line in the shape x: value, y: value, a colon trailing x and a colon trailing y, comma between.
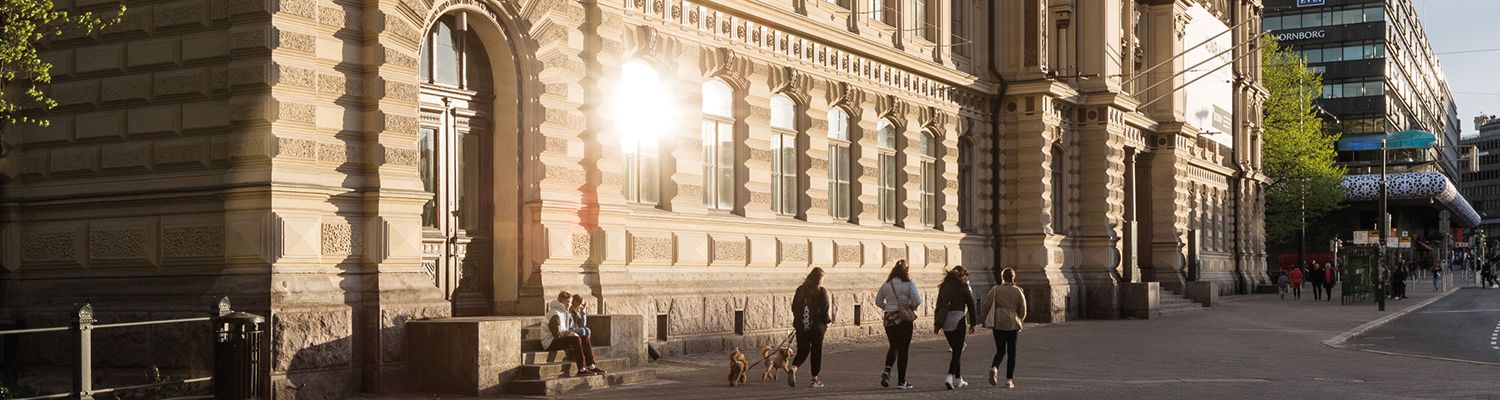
x: 776, y: 361
x: 737, y: 367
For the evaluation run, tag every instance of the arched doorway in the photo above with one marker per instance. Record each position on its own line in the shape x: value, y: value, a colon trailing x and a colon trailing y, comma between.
x: 470, y: 143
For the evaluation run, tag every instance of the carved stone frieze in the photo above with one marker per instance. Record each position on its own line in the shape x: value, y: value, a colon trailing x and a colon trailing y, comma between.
x: 182, y: 241
x: 845, y: 95
x: 787, y: 80
x: 724, y: 64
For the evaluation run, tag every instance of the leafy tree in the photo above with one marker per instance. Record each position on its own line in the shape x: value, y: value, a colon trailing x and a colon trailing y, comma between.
x: 1298, y: 156
x: 27, y: 23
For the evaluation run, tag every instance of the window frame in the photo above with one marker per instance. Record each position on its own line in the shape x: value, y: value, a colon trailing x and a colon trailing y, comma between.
x: 642, y: 173
x: 840, y: 199
x: 931, y: 178
x: 887, y: 171
x: 785, y: 180
x: 718, y: 147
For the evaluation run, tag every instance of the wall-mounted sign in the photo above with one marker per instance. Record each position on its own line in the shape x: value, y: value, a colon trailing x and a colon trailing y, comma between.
x: 1211, y: 94
x: 1301, y: 35
x: 1309, y: 3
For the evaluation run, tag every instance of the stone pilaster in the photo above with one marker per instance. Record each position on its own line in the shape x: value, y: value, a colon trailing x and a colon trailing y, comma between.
x: 1101, y: 206
x: 1031, y: 241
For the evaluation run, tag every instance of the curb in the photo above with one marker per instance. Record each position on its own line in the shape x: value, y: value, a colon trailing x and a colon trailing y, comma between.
x: 1337, y: 342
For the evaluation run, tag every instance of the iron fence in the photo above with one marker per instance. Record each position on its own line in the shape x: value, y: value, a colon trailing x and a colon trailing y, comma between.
x: 236, y: 351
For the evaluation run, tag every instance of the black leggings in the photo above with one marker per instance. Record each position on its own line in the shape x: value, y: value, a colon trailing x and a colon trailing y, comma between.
x: 1317, y: 291
x: 810, y: 343
x: 956, y: 343
x: 899, y: 337
x: 1297, y: 291
x: 1328, y: 291
x: 1005, y: 342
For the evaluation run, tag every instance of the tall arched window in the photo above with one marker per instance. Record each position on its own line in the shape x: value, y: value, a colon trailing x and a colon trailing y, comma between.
x: 838, y: 164
x: 784, y: 183
x: 640, y: 97
x: 885, y: 145
x: 930, y: 179
x: 718, y: 145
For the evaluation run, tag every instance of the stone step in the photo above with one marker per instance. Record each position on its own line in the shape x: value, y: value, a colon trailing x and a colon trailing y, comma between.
x: 536, y: 355
x: 1178, y: 308
x: 559, y: 368
x: 555, y: 386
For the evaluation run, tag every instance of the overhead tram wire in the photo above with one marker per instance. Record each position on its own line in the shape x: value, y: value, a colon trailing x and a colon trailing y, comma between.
x: 1467, y: 51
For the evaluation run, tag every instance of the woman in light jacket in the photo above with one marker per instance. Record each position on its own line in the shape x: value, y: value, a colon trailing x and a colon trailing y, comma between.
x: 1004, y: 311
x: 896, y: 293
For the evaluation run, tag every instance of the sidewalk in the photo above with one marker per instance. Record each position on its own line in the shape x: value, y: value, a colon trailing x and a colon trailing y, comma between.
x: 1249, y: 347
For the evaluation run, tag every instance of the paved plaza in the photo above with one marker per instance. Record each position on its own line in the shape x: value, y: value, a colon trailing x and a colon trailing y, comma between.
x: 1248, y: 347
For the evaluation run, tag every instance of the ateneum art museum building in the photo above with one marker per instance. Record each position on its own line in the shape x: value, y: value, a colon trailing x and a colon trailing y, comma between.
x: 349, y: 169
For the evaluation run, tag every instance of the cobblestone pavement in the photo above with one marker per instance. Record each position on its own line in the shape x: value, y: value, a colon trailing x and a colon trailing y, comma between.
x: 1248, y: 347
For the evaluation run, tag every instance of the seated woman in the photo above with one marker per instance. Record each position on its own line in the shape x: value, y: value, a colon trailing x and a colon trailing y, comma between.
x: 558, y: 334
x: 579, y: 311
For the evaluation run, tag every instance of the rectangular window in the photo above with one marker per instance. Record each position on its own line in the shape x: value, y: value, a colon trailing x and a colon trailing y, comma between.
x: 838, y: 181
x: 1291, y: 21
x: 876, y: 9
x: 1354, y: 16
x: 929, y: 192
x: 1376, y: 13
x: 888, y: 187
x: 1313, y: 56
x: 925, y: 27
x: 784, y: 185
x: 642, y: 172
x: 960, y: 36
x: 1374, y: 88
x: 1312, y: 19
x: 1355, y: 53
x: 718, y: 164
x: 1333, y: 54
x: 1353, y: 89
x: 1271, y: 23
x: 427, y: 161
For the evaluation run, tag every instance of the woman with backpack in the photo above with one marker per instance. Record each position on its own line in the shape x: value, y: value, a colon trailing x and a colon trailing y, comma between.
x: 952, y: 317
x: 810, y: 320
x: 1004, y: 313
x: 899, y: 298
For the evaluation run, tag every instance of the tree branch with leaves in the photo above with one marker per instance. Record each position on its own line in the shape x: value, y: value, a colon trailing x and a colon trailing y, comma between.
x: 23, y: 73
x: 1300, y: 158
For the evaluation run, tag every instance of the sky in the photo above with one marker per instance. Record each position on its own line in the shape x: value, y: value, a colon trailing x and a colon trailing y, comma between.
x: 1473, y: 77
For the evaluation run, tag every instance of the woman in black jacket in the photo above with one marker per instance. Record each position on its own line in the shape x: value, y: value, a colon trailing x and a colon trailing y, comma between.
x: 810, y: 320
x: 955, y: 309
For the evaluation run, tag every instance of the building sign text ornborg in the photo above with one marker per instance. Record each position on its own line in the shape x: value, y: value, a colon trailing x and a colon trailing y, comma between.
x: 1301, y: 35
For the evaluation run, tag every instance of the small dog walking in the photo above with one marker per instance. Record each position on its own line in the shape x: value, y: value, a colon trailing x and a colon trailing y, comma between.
x: 737, y: 368
x: 776, y: 361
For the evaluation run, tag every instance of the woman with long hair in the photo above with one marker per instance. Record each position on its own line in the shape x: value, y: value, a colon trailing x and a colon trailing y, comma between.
x: 810, y: 320
x: 899, y: 298
x: 951, y: 317
x: 1004, y: 311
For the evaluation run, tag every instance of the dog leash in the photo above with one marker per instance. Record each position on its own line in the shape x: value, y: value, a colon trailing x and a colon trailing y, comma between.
x: 774, y: 349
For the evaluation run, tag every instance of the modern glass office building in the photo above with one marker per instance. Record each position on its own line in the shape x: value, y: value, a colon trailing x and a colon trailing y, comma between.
x: 1380, y: 80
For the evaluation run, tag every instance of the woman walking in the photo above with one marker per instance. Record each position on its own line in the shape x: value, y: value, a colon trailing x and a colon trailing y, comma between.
x: 899, y: 298
x: 1004, y: 311
x: 952, y: 316
x: 1296, y: 281
x: 810, y: 320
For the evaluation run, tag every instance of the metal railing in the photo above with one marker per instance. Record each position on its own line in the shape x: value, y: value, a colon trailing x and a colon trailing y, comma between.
x: 237, y: 349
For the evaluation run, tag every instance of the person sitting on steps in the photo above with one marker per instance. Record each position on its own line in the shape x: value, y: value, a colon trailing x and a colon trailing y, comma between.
x: 558, y: 334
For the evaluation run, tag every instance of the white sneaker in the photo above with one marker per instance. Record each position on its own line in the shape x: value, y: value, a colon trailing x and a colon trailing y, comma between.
x: 905, y: 386
x: 994, y: 376
x: 1010, y: 384
x: 961, y: 383
x: 948, y: 382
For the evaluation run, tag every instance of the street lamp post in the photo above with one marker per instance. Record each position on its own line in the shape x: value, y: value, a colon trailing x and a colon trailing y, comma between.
x: 1334, y: 245
x: 1380, y: 260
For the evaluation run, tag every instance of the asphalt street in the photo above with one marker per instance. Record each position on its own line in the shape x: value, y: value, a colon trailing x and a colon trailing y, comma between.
x: 1461, y: 326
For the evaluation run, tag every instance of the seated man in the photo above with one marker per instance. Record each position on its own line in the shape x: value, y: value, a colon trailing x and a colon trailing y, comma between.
x: 558, y: 334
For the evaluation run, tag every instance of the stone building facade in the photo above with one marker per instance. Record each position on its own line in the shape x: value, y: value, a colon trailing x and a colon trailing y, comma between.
x: 345, y: 167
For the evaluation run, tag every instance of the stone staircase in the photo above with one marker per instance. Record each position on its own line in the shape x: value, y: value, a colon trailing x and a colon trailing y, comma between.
x: 503, y: 356
x: 1173, y: 303
x: 546, y: 373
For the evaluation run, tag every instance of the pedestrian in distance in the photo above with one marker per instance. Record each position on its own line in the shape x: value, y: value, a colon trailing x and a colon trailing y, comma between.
x: 1398, y: 284
x: 1004, y: 312
x: 1437, y: 275
x: 899, y: 298
x: 1283, y: 281
x: 1296, y: 282
x: 954, y: 317
x: 810, y: 318
x: 1330, y: 277
x: 1315, y: 279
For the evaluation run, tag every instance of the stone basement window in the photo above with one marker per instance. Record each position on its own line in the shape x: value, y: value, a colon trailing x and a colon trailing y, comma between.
x: 661, y: 327
x: 859, y: 317
x: 739, y: 322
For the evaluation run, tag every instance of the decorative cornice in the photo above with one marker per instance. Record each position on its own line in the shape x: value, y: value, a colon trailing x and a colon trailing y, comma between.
x: 842, y: 94
x: 790, y: 82
x: 645, y: 42
x: 723, y: 63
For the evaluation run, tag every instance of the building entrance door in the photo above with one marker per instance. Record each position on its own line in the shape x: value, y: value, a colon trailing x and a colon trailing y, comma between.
x: 457, y: 165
